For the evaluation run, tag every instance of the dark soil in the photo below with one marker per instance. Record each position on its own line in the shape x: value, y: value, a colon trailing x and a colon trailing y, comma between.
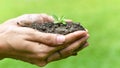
x: 57, y: 28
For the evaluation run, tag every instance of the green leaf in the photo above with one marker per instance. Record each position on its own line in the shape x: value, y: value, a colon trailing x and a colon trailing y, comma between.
x: 55, y: 17
x: 62, y: 18
x: 59, y: 19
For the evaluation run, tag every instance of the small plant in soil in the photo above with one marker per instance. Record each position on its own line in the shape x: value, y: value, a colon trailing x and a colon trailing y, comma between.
x: 59, y: 26
x: 59, y: 19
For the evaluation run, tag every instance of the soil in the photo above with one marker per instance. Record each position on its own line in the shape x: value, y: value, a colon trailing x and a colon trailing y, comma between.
x: 58, y: 28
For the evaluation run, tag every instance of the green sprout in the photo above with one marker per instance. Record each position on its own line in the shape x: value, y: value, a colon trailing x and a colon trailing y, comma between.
x: 59, y: 19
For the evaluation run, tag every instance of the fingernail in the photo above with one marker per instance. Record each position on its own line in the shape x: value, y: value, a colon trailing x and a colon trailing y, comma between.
x: 60, y: 39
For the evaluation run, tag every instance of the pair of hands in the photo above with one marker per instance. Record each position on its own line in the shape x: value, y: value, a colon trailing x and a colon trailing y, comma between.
x: 32, y: 46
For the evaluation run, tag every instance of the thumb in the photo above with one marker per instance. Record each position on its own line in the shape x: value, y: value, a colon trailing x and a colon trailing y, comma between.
x: 46, y: 38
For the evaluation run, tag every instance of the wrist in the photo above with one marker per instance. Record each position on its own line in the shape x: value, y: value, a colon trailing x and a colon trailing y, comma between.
x: 1, y: 52
x: 4, y: 51
x: 3, y: 47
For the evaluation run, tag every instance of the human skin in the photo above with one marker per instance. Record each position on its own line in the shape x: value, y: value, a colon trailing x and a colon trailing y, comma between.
x: 29, y: 45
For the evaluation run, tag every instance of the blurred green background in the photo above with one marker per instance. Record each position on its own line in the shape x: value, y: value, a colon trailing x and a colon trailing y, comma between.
x: 100, y: 17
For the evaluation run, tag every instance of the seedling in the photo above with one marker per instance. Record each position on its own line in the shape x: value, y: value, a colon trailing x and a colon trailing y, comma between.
x: 59, y: 19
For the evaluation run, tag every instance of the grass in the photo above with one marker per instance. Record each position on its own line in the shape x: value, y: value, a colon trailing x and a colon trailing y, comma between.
x: 100, y: 17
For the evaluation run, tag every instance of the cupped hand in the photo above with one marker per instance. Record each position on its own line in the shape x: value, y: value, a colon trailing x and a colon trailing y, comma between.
x: 72, y: 49
x: 35, y: 47
x: 25, y: 43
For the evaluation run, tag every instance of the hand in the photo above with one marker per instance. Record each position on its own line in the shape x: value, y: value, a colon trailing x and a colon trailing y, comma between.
x: 72, y: 48
x: 25, y: 43
x: 41, y: 51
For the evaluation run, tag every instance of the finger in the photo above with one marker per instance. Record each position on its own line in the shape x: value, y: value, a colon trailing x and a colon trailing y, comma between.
x: 81, y: 47
x: 67, y: 51
x: 75, y: 36
x: 47, y: 38
x: 71, y: 49
x: 37, y: 48
x: 28, y: 19
x: 37, y: 36
x: 54, y: 57
x: 86, y: 44
x: 47, y: 18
